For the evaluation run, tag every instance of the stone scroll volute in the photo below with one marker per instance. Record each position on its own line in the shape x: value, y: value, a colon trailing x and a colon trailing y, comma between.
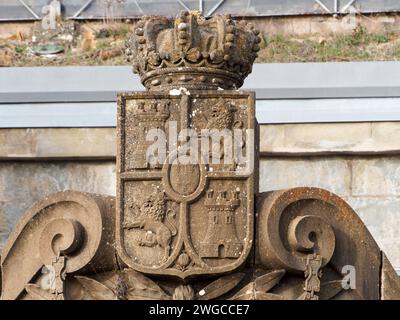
x: 295, y: 223
x: 72, y: 228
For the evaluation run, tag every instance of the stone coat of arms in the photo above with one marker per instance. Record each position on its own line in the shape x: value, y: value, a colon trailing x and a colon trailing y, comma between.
x: 187, y: 221
x: 178, y: 218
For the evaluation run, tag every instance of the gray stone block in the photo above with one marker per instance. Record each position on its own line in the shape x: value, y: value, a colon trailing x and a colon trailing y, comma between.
x: 382, y: 218
x: 327, y: 138
x: 58, y: 143
x: 332, y: 174
x: 23, y: 183
x: 376, y: 177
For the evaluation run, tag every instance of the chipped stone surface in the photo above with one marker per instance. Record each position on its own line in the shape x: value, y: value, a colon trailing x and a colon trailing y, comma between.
x: 24, y: 183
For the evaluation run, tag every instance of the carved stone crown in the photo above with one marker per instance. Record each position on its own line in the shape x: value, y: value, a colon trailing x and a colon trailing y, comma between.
x: 192, y: 52
x: 221, y: 202
x: 154, y: 112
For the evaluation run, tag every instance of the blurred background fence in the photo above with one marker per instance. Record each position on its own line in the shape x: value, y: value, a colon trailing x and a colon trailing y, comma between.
x: 17, y: 10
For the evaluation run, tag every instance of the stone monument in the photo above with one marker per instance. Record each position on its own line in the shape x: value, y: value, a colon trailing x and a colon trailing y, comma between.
x: 188, y: 221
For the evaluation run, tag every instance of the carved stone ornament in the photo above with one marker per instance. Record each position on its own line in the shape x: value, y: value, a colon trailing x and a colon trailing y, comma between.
x: 187, y: 222
x: 193, y: 52
x: 175, y: 218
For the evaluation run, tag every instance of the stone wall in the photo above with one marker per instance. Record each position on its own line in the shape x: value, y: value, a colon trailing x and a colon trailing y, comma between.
x: 358, y: 161
x: 23, y: 183
x: 371, y: 185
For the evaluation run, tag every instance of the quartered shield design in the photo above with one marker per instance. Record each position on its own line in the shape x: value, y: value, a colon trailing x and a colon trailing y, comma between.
x: 179, y: 217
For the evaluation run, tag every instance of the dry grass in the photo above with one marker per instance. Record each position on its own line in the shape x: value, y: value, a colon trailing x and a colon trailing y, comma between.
x: 108, y: 49
x: 358, y: 46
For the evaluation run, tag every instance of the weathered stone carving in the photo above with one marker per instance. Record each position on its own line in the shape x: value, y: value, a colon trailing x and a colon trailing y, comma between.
x: 182, y: 229
x: 64, y: 233
x: 221, y: 230
x: 296, y: 223
x: 155, y: 221
x: 131, y: 285
x: 193, y: 52
x: 203, y: 223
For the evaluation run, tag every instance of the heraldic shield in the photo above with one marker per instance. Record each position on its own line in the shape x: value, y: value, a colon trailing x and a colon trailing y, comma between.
x: 185, y: 181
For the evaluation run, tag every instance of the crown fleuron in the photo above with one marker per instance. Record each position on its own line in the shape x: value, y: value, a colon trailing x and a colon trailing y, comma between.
x: 192, y: 52
x: 156, y: 111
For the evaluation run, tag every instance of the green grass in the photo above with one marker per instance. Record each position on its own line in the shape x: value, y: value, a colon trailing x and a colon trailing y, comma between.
x: 20, y: 50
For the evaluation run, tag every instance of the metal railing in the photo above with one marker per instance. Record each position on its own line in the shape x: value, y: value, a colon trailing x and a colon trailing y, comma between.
x: 11, y: 10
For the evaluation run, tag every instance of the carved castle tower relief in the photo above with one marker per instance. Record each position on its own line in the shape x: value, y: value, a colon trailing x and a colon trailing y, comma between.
x: 147, y: 117
x: 221, y: 240
x: 192, y: 225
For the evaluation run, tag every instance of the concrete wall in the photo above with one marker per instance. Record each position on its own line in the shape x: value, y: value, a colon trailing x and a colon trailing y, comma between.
x: 358, y: 161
